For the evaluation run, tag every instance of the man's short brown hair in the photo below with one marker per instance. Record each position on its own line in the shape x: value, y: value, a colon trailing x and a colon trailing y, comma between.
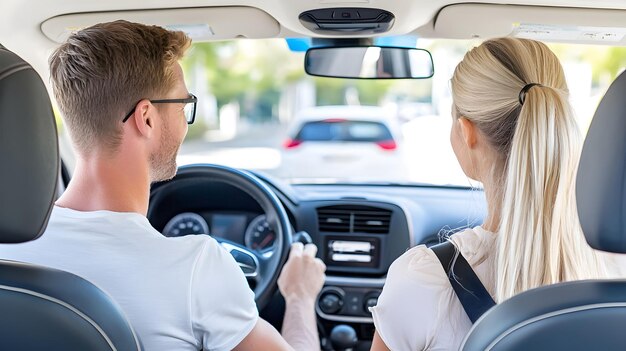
x: 101, y: 72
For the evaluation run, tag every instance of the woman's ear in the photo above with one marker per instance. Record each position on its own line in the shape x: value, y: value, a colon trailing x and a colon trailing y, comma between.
x: 144, y: 118
x: 468, y: 132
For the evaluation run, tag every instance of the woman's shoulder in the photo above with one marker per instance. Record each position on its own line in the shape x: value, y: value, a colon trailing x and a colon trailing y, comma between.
x: 417, y: 265
x: 417, y: 277
x: 418, y: 306
x: 475, y: 244
x: 422, y: 265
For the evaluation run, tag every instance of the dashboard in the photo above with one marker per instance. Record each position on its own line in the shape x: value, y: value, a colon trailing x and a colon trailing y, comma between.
x: 359, y: 231
x: 251, y: 229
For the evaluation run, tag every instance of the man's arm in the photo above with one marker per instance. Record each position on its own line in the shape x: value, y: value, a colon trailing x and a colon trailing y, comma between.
x: 263, y: 337
x: 301, y: 280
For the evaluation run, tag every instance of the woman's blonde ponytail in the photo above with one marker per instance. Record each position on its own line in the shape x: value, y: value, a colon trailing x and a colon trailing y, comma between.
x: 534, y: 131
x: 540, y: 239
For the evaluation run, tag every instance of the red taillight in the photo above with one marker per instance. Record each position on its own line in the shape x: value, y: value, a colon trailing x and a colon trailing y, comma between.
x: 334, y: 120
x: 387, y: 144
x: 291, y: 143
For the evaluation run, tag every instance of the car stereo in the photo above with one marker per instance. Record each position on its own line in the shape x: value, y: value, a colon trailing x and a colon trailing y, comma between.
x: 350, y: 251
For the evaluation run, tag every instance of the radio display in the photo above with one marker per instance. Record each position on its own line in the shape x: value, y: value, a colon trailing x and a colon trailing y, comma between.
x: 352, y: 252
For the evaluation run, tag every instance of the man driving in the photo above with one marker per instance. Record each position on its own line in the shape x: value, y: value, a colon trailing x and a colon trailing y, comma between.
x: 124, y: 101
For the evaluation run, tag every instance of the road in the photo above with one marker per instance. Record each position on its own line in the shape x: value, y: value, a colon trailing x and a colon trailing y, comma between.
x: 255, y: 147
x: 428, y: 156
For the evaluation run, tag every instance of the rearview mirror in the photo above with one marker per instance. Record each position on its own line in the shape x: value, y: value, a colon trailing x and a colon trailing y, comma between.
x: 369, y: 62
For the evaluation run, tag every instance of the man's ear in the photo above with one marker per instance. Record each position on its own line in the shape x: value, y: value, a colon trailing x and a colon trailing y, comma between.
x: 144, y: 118
x: 468, y: 131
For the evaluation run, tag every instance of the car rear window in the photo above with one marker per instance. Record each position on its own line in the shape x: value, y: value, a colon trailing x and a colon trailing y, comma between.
x: 333, y: 130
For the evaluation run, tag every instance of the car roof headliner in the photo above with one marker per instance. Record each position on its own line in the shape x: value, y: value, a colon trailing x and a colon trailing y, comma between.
x: 33, y: 28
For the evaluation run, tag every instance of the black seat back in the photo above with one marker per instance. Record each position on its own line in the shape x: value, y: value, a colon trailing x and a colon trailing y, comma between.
x: 41, y: 308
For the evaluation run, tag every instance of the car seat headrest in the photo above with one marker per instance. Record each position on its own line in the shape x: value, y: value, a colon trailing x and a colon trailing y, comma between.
x: 29, y: 152
x: 601, y: 181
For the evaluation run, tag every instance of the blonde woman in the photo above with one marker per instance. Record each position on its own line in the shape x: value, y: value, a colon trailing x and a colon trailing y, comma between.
x: 515, y: 132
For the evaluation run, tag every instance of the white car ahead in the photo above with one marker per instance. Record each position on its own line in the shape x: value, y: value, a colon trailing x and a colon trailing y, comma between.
x: 341, y: 143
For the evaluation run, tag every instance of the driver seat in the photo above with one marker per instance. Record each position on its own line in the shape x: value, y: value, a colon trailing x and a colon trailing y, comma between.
x: 42, y: 308
x: 579, y: 315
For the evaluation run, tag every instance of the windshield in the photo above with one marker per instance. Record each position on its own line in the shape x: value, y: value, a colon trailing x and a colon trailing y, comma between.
x: 258, y: 110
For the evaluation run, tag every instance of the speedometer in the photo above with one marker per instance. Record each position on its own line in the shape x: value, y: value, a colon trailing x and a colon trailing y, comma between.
x: 260, y: 235
x: 187, y: 223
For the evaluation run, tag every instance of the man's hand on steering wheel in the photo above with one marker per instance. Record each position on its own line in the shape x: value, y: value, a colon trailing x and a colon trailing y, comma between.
x: 303, y: 276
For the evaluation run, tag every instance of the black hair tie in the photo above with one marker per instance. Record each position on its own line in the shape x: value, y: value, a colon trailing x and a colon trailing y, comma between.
x: 525, y: 89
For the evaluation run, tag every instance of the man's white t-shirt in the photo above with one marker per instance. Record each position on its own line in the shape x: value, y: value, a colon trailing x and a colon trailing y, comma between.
x: 182, y: 293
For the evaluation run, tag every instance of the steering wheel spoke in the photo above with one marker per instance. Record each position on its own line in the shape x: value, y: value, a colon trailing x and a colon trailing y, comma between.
x: 249, y: 262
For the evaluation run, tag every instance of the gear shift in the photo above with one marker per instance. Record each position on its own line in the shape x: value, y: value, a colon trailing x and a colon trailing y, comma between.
x: 343, y: 338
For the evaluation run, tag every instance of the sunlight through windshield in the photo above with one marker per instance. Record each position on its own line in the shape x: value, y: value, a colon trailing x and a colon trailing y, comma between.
x: 258, y: 110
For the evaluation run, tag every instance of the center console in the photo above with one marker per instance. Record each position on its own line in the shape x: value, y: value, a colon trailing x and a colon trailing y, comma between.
x: 358, y: 241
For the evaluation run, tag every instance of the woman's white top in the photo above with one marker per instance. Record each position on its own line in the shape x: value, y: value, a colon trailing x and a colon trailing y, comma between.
x: 418, y: 309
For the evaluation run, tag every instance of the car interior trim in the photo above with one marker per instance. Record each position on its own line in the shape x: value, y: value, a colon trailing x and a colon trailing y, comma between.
x: 9, y: 71
x: 216, y: 21
x: 342, y: 318
x: 470, y: 21
x: 331, y: 284
x: 355, y: 281
x: 71, y: 308
x: 553, y: 314
x: 409, y: 222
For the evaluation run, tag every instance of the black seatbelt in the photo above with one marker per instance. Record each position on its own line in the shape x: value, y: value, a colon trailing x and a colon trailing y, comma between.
x: 468, y: 288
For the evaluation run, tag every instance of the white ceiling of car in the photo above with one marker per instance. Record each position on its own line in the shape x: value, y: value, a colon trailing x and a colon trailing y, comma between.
x: 33, y: 28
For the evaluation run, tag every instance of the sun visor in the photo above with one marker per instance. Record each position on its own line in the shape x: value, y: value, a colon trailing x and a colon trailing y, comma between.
x: 201, y: 24
x: 567, y: 25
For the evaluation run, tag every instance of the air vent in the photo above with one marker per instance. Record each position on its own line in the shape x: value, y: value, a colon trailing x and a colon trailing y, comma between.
x: 353, y: 219
x: 334, y: 219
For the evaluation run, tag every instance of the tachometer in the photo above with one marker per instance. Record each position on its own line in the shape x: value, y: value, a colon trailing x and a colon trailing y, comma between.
x: 187, y: 223
x: 260, y: 235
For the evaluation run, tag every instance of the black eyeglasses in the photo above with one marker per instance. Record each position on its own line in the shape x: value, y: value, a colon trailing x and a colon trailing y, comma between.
x: 189, y: 110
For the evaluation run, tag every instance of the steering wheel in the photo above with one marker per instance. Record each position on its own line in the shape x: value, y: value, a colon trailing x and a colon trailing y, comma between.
x: 263, y: 270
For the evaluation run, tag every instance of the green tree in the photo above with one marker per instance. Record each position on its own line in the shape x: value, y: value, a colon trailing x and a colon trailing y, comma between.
x: 241, y: 70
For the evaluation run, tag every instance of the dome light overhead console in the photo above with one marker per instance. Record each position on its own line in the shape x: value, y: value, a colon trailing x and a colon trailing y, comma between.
x: 348, y: 20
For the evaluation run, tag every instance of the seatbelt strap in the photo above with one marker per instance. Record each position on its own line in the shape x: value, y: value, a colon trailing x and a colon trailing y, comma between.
x: 468, y: 288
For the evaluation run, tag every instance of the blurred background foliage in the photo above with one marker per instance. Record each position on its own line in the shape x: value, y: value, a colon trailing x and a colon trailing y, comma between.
x: 248, y: 70
x: 254, y: 75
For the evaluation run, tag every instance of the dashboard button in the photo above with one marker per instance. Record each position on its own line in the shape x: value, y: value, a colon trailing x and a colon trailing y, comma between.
x: 370, y: 302
x: 330, y: 303
x: 353, y: 309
